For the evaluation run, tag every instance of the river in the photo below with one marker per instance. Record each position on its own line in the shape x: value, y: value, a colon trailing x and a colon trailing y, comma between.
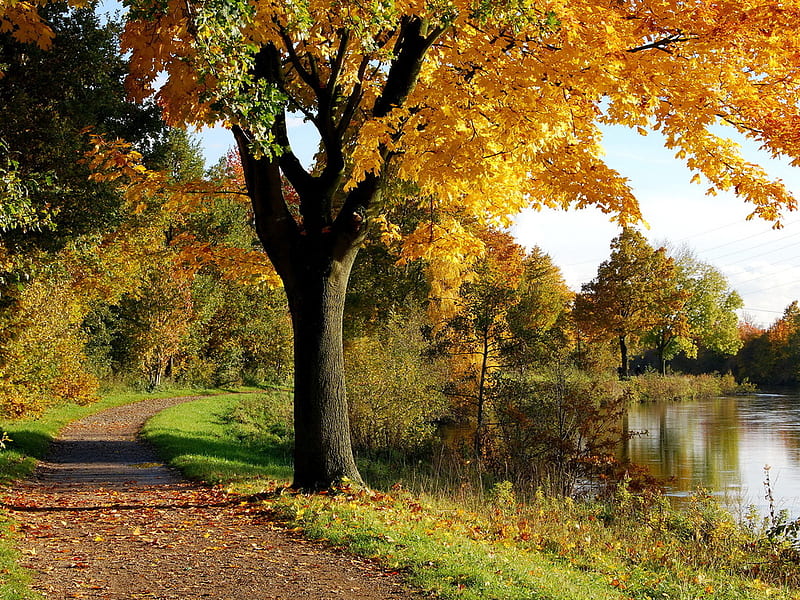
x: 722, y: 445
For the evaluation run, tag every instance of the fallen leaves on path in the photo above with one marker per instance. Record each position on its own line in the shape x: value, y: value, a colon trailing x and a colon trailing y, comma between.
x: 87, y: 534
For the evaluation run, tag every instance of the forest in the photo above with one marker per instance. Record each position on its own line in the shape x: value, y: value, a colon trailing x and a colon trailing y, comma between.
x: 124, y: 261
x: 441, y: 399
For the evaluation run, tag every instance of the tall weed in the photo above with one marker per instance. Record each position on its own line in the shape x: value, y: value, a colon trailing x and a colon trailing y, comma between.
x: 654, y: 387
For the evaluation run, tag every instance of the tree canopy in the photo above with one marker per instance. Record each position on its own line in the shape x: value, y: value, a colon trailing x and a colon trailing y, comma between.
x: 490, y: 105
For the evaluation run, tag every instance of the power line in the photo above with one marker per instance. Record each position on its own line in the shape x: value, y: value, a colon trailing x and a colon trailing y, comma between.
x: 728, y: 226
x: 737, y: 241
x: 767, y: 310
x: 753, y: 256
x: 759, y: 277
x: 773, y: 287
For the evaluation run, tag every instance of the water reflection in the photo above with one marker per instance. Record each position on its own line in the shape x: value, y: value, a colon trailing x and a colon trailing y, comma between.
x: 722, y: 445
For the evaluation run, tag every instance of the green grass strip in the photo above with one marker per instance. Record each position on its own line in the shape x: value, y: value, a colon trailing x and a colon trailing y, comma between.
x: 196, y: 439
x: 15, y: 581
x: 441, y: 553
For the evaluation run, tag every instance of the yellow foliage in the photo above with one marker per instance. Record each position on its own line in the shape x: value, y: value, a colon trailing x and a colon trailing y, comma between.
x: 41, y: 350
x: 449, y: 250
x: 238, y: 264
x: 507, y: 102
x: 21, y: 19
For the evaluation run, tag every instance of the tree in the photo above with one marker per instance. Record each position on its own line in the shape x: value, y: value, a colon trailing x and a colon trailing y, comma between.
x: 487, y: 106
x: 48, y: 99
x: 540, y: 320
x: 773, y: 356
x: 635, y: 291
x: 477, y: 336
x: 710, y: 310
x: 753, y: 361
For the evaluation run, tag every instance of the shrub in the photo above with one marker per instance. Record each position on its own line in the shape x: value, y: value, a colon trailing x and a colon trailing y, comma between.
x: 41, y: 350
x: 653, y: 387
x: 558, y: 427
x: 392, y: 387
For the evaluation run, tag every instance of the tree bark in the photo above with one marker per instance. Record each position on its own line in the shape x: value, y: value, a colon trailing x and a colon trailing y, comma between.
x: 323, y: 453
x: 623, y: 355
x: 314, y: 260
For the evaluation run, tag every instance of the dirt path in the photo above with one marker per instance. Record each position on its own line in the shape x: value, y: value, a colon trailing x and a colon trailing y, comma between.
x: 103, y: 519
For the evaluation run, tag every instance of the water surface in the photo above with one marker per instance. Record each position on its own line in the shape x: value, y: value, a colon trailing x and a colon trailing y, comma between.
x: 722, y: 445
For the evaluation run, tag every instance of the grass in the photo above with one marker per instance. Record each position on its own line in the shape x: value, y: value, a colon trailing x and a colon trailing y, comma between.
x: 14, y: 580
x: 206, y: 444
x: 636, y: 547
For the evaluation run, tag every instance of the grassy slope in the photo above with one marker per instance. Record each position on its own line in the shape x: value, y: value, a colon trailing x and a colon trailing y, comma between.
x: 197, y: 441
x: 554, y: 551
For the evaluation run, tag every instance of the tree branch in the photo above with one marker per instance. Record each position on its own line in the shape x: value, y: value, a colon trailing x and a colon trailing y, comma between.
x: 275, y: 225
x: 664, y: 43
x: 411, y: 47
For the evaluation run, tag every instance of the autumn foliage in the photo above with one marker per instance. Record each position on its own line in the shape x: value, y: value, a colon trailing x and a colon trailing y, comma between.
x: 487, y: 108
x: 437, y: 123
x: 506, y: 109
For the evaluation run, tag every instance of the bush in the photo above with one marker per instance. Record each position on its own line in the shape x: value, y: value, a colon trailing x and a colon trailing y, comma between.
x: 41, y: 350
x: 557, y: 428
x: 392, y: 389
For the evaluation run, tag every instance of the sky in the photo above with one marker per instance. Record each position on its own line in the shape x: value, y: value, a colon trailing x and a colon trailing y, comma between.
x: 760, y: 262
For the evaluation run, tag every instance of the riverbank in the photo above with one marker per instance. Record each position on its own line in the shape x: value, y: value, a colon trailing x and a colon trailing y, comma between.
x: 632, y: 546
x: 654, y: 387
x: 493, y: 547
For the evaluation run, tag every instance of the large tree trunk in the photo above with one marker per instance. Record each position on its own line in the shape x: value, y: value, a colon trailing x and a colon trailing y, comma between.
x: 323, y: 454
x: 313, y: 258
